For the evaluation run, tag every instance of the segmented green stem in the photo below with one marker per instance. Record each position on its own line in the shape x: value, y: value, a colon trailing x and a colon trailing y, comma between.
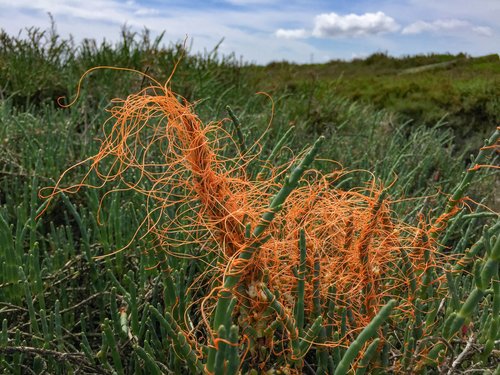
x: 368, y: 332
x: 277, y: 147
x: 299, y: 307
x: 367, y: 357
x: 289, y: 323
x: 237, y: 126
x: 183, y: 348
x: 233, y: 360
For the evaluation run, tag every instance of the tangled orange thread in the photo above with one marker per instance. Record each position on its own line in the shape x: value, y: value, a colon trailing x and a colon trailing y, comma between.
x: 197, y: 193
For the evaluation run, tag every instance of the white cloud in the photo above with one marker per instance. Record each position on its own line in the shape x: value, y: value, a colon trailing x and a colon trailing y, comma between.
x: 483, y: 30
x: 108, y: 11
x: 438, y: 25
x: 146, y: 12
x: 450, y: 24
x: 445, y: 25
x: 418, y: 27
x: 291, y: 33
x: 330, y: 25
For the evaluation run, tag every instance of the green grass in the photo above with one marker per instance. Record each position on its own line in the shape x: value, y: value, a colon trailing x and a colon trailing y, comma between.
x: 64, y: 311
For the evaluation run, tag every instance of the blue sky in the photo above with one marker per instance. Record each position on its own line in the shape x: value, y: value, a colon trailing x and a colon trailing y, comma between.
x: 264, y: 31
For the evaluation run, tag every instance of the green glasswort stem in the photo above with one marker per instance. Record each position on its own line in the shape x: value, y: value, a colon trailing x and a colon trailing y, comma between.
x: 330, y: 313
x: 45, y: 328
x: 110, y: 338
x: 4, y: 335
x: 289, y: 323
x: 367, y: 357
x: 58, y: 325
x: 115, y: 312
x: 232, y: 304
x: 233, y: 360
x: 221, y: 352
x: 232, y: 279
x: 495, y: 321
x: 148, y: 360
x: 368, y: 332
x: 496, y: 299
x: 29, y: 302
x: 237, y: 126
x: 450, y: 281
x: 179, y: 340
x: 316, y: 287
x: 38, y: 283
x: 408, y: 267
x: 474, y: 249
x: 276, y: 324
x: 311, y: 335
x: 299, y: 312
x: 321, y: 353
x: 263, y: 172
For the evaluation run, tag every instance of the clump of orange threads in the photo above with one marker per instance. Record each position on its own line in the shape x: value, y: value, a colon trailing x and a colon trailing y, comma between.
x: 154, y: 144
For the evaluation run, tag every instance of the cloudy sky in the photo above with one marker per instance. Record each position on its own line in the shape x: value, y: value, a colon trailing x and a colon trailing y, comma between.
x: 262, y: 31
